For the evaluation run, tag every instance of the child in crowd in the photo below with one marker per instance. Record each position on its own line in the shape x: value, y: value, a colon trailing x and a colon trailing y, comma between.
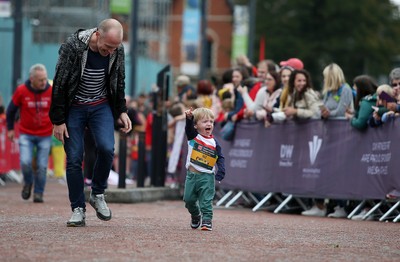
x: 204, y: 152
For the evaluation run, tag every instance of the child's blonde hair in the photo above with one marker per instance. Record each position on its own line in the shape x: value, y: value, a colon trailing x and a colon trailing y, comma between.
x: 202, y: 112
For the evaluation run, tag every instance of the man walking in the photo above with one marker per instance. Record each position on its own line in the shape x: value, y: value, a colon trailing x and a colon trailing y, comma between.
x: 33, y: 99
x: 89, y: 93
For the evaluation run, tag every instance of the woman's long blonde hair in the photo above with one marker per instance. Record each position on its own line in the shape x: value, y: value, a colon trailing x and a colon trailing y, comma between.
x: 333, y: 78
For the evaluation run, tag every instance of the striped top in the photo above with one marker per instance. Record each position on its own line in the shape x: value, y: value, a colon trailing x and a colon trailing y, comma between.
x: 92, y: 87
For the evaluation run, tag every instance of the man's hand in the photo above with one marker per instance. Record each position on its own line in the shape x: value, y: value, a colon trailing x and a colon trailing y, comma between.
x: 60, y: 132
x: 11, y: 134
x: 124, y: 121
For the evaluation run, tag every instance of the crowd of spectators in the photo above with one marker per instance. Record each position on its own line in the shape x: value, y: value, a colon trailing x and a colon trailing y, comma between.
x: 273, y: 93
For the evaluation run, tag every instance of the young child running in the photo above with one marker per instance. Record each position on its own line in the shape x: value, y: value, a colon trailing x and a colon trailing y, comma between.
x: 204, y: 152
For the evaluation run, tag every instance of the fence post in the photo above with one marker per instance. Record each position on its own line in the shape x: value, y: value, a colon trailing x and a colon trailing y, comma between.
x: 159, y: 129
x: 141, y: 170
x: 122, y: 160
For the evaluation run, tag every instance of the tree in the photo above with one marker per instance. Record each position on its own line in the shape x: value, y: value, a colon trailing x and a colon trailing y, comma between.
x: 361, y: 36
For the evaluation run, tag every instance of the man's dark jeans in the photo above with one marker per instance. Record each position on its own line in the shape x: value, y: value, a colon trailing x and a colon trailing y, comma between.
x: 100, y: 121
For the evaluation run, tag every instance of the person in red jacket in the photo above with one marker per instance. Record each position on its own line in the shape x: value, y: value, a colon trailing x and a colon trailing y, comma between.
x: 33, y: 99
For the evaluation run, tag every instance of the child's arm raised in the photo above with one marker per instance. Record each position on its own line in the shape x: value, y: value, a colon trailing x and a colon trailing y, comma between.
x: 189, y: 128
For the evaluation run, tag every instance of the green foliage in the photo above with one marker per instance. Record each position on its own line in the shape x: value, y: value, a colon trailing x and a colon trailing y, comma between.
x: 361, y: 36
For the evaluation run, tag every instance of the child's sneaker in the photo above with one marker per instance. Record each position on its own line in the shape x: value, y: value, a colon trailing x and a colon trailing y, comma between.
x: 195, y: 222
x: 206, y: 225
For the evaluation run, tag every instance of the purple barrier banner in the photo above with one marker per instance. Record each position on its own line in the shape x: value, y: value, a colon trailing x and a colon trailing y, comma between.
x: 313, y: 159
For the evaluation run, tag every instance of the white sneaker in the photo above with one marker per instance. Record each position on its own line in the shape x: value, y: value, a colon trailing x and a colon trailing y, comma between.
x: 339, y: 212
x: 315, y: 211
x: 361, y: 215
x: 78, y: 218
x: 103, y: 212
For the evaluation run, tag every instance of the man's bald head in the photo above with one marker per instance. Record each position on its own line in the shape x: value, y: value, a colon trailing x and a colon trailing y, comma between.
x: 112, y: 27
x: 109, y: 36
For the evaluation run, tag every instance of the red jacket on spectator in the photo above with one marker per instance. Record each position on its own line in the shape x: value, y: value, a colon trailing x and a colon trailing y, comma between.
x: 34, y: 107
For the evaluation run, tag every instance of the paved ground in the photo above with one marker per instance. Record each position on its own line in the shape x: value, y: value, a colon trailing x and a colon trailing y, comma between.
x: 160, y: 231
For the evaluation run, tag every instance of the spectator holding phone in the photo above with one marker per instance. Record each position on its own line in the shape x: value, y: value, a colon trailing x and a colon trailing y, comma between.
x: 366, y: 98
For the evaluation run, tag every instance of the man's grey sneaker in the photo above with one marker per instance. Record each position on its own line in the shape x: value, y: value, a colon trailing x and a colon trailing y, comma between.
x: 26, y: 191
x: 38, y: 197
x: 195, y: 222
x: 206, y: 225
x: 78, y: 218
x: 100, y: 205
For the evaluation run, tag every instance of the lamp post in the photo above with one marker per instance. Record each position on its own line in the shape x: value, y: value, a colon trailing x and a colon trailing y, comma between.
x: 252, y: 26
x: 203, y: 34
x: 17, y: 51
